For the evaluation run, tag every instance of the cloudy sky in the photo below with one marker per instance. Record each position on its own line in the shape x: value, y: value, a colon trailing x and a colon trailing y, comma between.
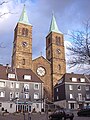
x: 69, y: 16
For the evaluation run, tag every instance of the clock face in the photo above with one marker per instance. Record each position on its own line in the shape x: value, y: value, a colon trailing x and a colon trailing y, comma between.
x: 58, y: 51
x: 40, y: 71
x: 24, y: 44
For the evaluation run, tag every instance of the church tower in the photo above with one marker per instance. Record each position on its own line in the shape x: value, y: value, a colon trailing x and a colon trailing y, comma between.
x: 22, y: 44
x: 55, y: 52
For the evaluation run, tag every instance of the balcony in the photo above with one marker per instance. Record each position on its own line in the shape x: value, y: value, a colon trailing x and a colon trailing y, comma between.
x: 80, y: 99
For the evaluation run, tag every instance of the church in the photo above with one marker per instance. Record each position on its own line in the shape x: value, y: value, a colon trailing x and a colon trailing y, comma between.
x: 29, y: 82
x: 49, y: 69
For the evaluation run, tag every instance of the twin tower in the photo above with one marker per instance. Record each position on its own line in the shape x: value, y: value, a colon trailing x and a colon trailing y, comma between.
x: 49, y: 69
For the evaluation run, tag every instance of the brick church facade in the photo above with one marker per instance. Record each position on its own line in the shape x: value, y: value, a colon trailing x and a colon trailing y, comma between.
x: 49, y: 69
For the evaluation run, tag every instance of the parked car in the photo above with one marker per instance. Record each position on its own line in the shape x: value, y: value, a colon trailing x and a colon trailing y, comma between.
x: 60, y: 114
x: 84, y: 112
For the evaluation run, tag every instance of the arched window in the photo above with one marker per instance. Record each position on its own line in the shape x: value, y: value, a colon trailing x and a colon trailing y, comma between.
x: 49, y: 53
x: 57, y: 40
x: 25, y: 32
x: 49, y: 41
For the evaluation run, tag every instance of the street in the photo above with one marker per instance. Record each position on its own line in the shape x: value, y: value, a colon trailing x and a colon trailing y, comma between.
x: 35, y: 116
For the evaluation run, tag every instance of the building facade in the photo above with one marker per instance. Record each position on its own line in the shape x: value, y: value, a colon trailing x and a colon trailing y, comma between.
x: 72, y: 91
x: 48, y: 69
x: 20, y: 90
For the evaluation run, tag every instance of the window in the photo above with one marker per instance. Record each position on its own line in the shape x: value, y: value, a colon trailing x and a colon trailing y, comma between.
x: 36, y: 95
x: 71, y: 105
x: 17, y: 85
x: 2, y: 94
x: 57, y: 40
x: 10, y: 105
x: 74, y: 79
x: 25, y: 32
x: 82, y: 79
x: 27, y: 95
x: 87, y: 88
x: 36, y: 86
x: 23, y: 61
x: 57, y: 98
x: 27, y: 77
x: 37, y: 105
x: 71, y: 96
x: 70, y: 87
x: 2, y: 84
x: 87, y: 96
x: 11, y: 75
x: 0, y: 104
x: 11, y: 85
x: 59, y: 67
x: 11, y: 95
x: 48, y: 41
x: 26, y: 87
x: 79, y: 87
x: 49, y: 53
x: 57, y: 89
x: 79, y: 96
x: 16, y: 94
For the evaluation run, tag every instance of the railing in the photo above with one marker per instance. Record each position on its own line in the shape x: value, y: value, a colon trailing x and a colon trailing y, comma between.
x: 80, y: 99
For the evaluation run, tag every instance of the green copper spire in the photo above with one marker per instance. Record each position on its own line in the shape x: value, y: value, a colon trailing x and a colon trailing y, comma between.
x: 24, y: 18
x: 53, y: 25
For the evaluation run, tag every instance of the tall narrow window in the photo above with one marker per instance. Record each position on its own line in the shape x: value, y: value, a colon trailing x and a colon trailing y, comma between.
x: 49, y: 53
x: 23, y: 31
x: 59, y: 67
x: 48, y: 41
x: 26, y: 32
x: 57, y: 40
x: 23, y: 61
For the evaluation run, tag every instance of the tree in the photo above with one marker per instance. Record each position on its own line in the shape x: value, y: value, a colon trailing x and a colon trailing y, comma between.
x: 2, y: 3
x: 79, y: 50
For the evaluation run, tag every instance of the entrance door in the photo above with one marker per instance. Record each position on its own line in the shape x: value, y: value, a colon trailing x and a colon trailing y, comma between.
x: 29, y: 108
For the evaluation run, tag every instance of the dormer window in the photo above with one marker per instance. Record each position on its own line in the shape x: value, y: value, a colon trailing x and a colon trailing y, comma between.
x: 74, y: 79
x: 82, y: 79
x: 27, y: 77
x: 11, y: 75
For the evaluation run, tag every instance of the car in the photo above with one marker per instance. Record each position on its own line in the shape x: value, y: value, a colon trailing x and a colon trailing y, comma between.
x: 84, y: 111
x: 61, y: 114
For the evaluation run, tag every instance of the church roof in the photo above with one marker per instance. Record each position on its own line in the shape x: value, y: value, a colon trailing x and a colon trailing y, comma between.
x: 24, y: 17
x: 53, y: 25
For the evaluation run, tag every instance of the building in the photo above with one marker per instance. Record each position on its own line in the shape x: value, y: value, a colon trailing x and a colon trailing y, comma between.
x: 48, y: 69
x: 20, y: 90
x: 72, y: 91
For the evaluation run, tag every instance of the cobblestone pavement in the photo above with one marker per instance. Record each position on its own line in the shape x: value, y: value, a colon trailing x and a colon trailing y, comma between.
x: 34, y: 116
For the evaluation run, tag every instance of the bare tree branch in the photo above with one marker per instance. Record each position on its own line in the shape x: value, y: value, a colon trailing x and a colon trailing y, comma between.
x: 4, y: 2
x: 80, y: 48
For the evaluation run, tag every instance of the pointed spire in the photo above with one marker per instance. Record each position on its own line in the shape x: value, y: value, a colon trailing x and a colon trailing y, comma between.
x: 53, y: 25
x: 24, y: 18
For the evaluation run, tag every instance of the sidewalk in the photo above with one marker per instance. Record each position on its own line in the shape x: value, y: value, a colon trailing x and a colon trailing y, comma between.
x: 34, y: 116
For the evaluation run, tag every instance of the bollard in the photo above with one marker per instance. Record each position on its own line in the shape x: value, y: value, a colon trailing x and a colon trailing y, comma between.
x: 29, y: 116
x: 24, y: 115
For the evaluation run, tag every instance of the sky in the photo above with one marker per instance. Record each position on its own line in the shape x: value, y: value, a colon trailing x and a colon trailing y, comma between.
x: 69, y: 16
